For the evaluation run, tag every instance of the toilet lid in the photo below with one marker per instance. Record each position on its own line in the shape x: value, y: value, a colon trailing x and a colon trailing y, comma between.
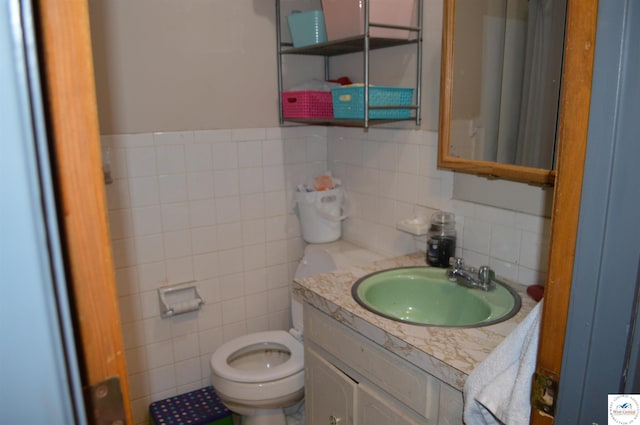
x: 294, y: 364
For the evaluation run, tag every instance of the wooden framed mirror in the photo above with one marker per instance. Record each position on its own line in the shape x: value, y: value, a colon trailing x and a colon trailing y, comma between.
x: 500, y: 88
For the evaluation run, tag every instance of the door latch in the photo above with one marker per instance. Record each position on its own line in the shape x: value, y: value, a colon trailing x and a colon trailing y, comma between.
x: 544, y: 393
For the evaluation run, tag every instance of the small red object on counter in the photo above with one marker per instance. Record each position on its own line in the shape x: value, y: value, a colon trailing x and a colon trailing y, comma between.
x: 536, y: 292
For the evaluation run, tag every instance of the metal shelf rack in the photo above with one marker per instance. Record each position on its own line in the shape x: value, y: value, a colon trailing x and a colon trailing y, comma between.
x: 363, y: 43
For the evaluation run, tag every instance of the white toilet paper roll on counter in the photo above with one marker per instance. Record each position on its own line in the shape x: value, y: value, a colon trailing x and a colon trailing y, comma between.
x: 179, y: 299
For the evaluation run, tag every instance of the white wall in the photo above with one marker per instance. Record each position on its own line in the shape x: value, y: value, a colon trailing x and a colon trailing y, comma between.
x: 184, y: 65
x: 202, y: 65
x: 210, y: 207
x: 392, y: 175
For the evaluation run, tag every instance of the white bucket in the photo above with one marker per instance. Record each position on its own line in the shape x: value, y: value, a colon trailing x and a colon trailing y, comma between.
x: 321, y: 214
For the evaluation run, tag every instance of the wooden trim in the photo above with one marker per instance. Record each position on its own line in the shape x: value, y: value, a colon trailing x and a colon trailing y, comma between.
x: 446, y: 82
x: 445, y: 160
x: 537, y: 176
x: 574, y: 123
x: 72, y: 116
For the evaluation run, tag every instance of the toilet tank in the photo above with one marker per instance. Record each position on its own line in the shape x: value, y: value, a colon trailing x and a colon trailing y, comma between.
x: 314, y: 261
x: 324, y: 258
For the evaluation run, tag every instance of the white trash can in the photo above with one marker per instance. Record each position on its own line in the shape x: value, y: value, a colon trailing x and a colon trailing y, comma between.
x: 321, y: 214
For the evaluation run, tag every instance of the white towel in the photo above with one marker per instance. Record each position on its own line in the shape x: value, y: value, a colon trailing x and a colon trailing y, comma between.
x: 497, y: 390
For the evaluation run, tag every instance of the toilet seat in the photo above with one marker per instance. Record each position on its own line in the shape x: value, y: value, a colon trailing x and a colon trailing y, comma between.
x: 294, y: 364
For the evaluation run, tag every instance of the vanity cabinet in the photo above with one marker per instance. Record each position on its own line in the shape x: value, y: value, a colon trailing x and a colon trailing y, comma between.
x: 376, y: 408
x: 329, y: 394
x: 364, y: 44
x: 350, y: 380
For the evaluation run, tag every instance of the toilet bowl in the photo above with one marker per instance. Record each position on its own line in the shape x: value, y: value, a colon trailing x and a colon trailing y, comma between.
x: 259, y: 375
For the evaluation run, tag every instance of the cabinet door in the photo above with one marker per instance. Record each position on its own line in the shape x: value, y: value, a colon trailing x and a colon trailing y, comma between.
x: 329, y: 393
x: 451, y: 405
x: 375, y: 409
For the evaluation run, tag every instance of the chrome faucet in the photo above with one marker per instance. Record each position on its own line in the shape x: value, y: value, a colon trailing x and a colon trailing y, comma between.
x: 483, y: 279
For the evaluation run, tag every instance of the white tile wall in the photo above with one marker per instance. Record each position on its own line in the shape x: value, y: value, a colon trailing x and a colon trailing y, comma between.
x: 216, y: 207
x: 209, y: 206
x: 392, y: 174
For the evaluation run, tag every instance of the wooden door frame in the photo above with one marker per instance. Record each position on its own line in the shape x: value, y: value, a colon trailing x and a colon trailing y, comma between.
x: 72, y: 119
x: 573, y: 127
x: 606, y: 269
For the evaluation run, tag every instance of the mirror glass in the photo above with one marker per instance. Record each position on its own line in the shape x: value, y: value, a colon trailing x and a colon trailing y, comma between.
x: 502, y: 67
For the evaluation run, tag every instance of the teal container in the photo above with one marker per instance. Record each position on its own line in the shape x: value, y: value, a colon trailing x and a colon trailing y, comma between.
x: 307, y: 28
x: 348, y: 102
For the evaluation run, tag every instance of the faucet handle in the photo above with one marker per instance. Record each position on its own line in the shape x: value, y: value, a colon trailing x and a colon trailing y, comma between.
x: 456, y: 262
x: 486, y: 275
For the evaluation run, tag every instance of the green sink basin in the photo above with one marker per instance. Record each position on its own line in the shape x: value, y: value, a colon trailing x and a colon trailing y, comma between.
x: 424, y: 296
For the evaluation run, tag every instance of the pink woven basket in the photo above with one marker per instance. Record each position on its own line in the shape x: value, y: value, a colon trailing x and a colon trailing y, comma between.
x: 307, y: 104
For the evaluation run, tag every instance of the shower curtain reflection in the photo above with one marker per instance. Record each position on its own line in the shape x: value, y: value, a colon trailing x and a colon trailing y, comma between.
x: 511, y: 27
x: 541, y: 89
x: 530, y: 85
x: 507, y: 73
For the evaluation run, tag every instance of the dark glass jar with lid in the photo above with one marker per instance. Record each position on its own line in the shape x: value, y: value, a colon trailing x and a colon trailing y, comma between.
x: 441, y: 239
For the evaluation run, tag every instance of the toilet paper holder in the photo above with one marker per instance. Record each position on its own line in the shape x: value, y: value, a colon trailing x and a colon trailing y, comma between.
x: 179, y: 299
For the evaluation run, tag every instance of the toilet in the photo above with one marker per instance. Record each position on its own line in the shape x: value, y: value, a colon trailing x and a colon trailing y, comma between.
x: 259, y: 375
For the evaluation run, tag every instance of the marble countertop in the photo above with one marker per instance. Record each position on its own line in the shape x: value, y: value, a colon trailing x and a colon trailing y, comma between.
x: 449, y: 354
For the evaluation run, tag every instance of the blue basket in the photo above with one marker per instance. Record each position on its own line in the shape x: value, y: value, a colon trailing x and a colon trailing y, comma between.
x: 348, y: 102
x: 307, y: 28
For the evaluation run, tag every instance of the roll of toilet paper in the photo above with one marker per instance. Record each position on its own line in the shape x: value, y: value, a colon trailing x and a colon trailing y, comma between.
x: 185, y: 306
x: 178, y: 299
